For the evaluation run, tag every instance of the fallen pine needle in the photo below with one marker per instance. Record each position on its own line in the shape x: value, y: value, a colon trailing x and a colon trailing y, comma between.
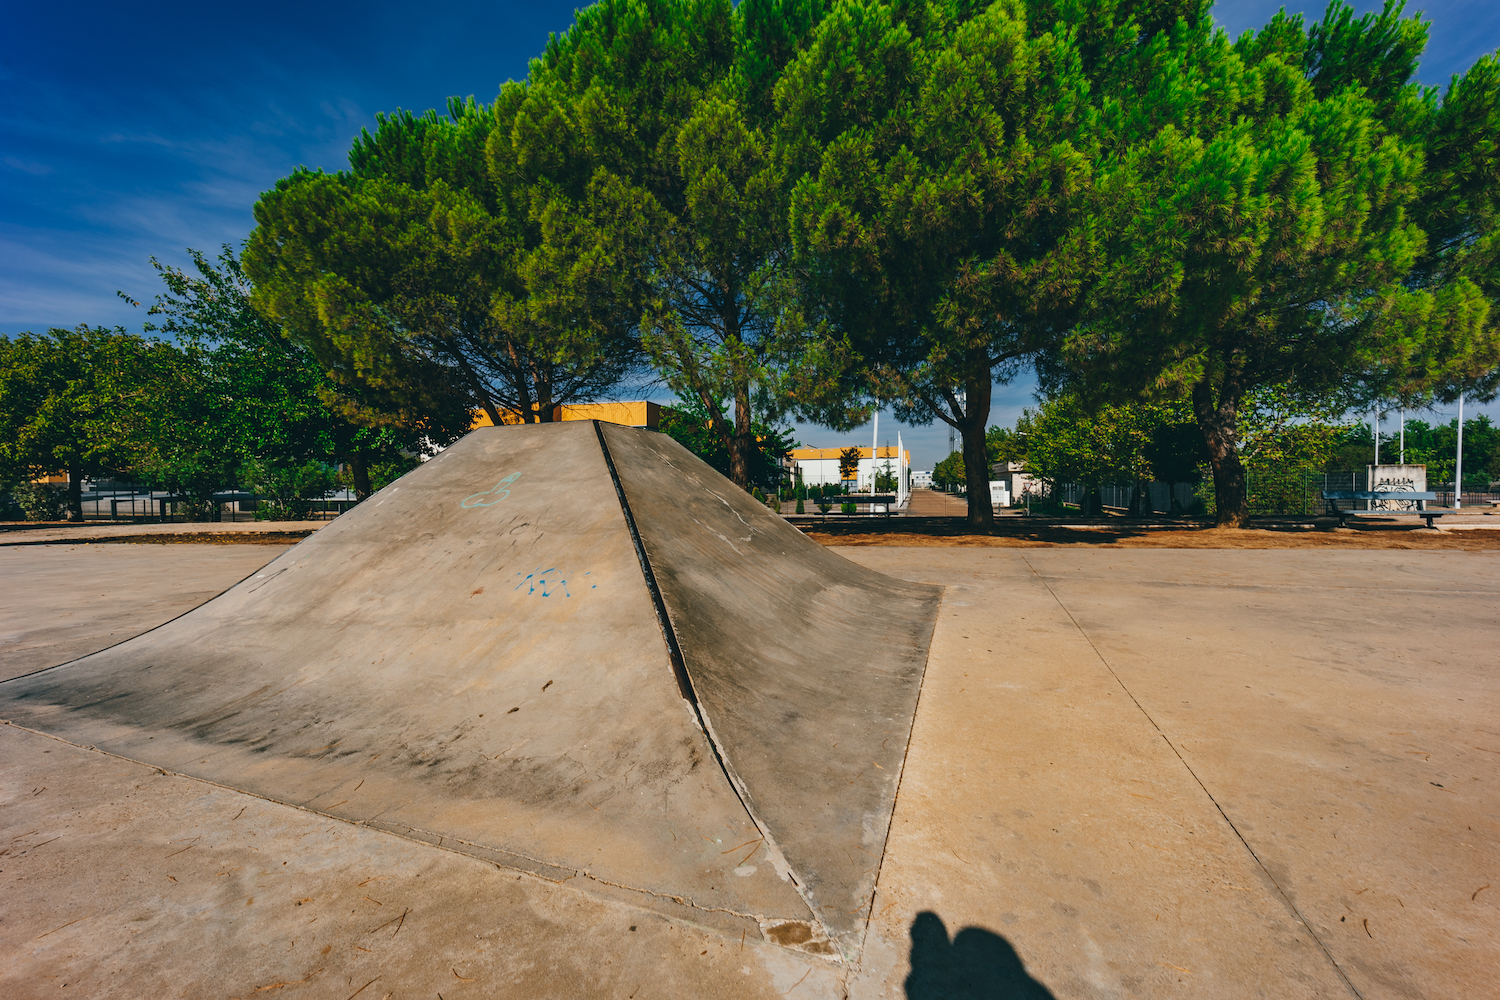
x: 389, y: 922
x: 294, y: 982
x: 1366, y: 922
x: 799, y: 982
x: 1179, y: 968
x: 360, y: 990
x: 76, y: 919
x: 461, y: 978
x: 1479, y: 890
x: 747, y: 843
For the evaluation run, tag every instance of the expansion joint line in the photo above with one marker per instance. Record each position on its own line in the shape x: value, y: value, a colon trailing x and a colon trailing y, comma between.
x: 1194, y: 774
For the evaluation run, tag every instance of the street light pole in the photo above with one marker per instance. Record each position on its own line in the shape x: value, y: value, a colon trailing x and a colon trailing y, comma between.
x: 1458, y: 464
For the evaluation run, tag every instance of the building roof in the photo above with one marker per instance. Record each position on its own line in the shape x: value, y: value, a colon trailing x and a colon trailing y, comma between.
x: 815, y: 454
x: 640, y: 413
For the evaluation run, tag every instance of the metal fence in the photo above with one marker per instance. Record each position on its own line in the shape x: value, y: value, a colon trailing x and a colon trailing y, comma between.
x: 1285, y: 493
x: 115, y: 501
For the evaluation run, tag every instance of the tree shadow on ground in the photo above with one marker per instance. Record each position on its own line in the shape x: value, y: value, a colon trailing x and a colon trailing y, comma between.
x: 975, y: 965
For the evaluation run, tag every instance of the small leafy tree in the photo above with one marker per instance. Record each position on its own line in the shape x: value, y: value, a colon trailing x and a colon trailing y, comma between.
x: 68, y: 403
x: 848, y: 463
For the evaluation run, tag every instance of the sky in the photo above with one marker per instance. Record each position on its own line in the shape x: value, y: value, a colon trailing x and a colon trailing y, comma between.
x: 133, y: 131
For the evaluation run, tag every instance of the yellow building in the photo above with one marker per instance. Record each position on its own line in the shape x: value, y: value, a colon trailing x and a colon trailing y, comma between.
x: 636, y: 414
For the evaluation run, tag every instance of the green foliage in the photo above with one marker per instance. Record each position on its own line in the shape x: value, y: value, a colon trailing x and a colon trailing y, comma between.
x: 848, y: 507
x: 238, y: 391
x: 801, y: 501
x: 690, y: 423
x: 422, y: 280
x: 69, y: 400
x: 1259, y: 228
x: 946, y: 150
x: 288, y: 489
x: 949, y: 474
x: 848, y: 463
x: 1434, y: 446
x: 41, y: 501
x: 648, y: 125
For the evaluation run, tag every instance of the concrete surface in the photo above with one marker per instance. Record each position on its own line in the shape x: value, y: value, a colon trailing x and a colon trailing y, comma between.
x: 1199, y: 774
x: 60, y: 602
x: 806, y: 667
x: 1094, y: 805
x: 472, y: 658
x: 121, y: 881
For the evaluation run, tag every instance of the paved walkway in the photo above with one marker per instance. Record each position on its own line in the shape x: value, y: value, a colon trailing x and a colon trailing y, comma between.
x: 1161, y: 773
x: 931, y: 503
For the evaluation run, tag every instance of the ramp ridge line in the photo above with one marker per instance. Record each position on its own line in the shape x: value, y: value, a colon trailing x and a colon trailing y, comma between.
x: 674, y: 651
x: 679, y: 666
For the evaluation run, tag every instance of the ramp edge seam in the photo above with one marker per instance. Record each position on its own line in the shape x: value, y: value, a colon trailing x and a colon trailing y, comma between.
x: 685, y: 684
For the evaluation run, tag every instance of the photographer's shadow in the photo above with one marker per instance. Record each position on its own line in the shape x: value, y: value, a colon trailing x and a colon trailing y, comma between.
x: 975, y: 965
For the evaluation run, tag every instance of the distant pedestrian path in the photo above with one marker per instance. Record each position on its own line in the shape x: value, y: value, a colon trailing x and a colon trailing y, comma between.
x: 931, y: 503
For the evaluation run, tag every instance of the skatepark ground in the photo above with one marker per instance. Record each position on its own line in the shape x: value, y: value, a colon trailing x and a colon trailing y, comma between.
x: 1151, y: 772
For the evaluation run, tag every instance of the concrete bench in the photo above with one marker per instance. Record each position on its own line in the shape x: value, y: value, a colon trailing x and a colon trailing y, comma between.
x: 1332, y: 497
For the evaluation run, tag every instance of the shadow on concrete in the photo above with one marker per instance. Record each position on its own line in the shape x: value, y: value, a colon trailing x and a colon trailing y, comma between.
x: 975, y: 965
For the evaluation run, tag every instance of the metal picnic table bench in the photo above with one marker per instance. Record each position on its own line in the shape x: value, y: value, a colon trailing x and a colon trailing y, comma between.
x: 1331, y: 497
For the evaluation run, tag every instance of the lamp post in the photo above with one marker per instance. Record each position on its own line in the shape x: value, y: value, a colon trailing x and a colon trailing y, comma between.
x: 1458, y: 464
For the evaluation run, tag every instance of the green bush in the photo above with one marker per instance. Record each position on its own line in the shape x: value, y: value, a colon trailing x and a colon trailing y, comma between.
x: 41, y: 501
x: 824, y: 505
x: 848, y: 507
x: 288, y: 491
x: 801, y: 501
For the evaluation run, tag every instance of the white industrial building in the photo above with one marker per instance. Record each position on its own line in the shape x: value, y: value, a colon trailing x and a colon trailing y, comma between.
x: 820, y: 466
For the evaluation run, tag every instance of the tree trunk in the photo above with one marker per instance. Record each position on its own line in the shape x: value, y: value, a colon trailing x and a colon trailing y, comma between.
x: 1219, y: 423
x: 75, y: 493
x: 742, y: 444
x: 976, y: 457
x: 359, y: 465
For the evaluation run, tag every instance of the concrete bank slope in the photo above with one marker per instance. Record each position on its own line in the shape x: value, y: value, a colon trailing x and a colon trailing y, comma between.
x: 563, y: 649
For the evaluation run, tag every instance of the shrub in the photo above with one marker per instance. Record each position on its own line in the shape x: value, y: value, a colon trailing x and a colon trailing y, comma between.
x: 801, y: 509
x: 848, y: 507
x: 41, y: 501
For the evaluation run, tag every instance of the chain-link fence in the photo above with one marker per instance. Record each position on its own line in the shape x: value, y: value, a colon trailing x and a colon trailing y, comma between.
x: 1281, y: 493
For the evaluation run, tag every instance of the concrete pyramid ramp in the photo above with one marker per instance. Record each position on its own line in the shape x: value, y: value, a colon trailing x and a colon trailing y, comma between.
x: 572, y: 649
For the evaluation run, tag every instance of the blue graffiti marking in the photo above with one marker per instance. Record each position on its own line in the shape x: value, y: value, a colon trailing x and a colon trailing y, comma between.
x: 537, y: 582
x: 495, y: 495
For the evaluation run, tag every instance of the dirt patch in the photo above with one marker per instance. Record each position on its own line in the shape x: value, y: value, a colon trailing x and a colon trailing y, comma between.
x: 180, y: 538
x: 950, y: 532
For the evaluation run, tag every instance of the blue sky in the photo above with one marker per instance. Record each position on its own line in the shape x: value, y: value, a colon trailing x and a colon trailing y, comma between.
x: 137, y: 130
